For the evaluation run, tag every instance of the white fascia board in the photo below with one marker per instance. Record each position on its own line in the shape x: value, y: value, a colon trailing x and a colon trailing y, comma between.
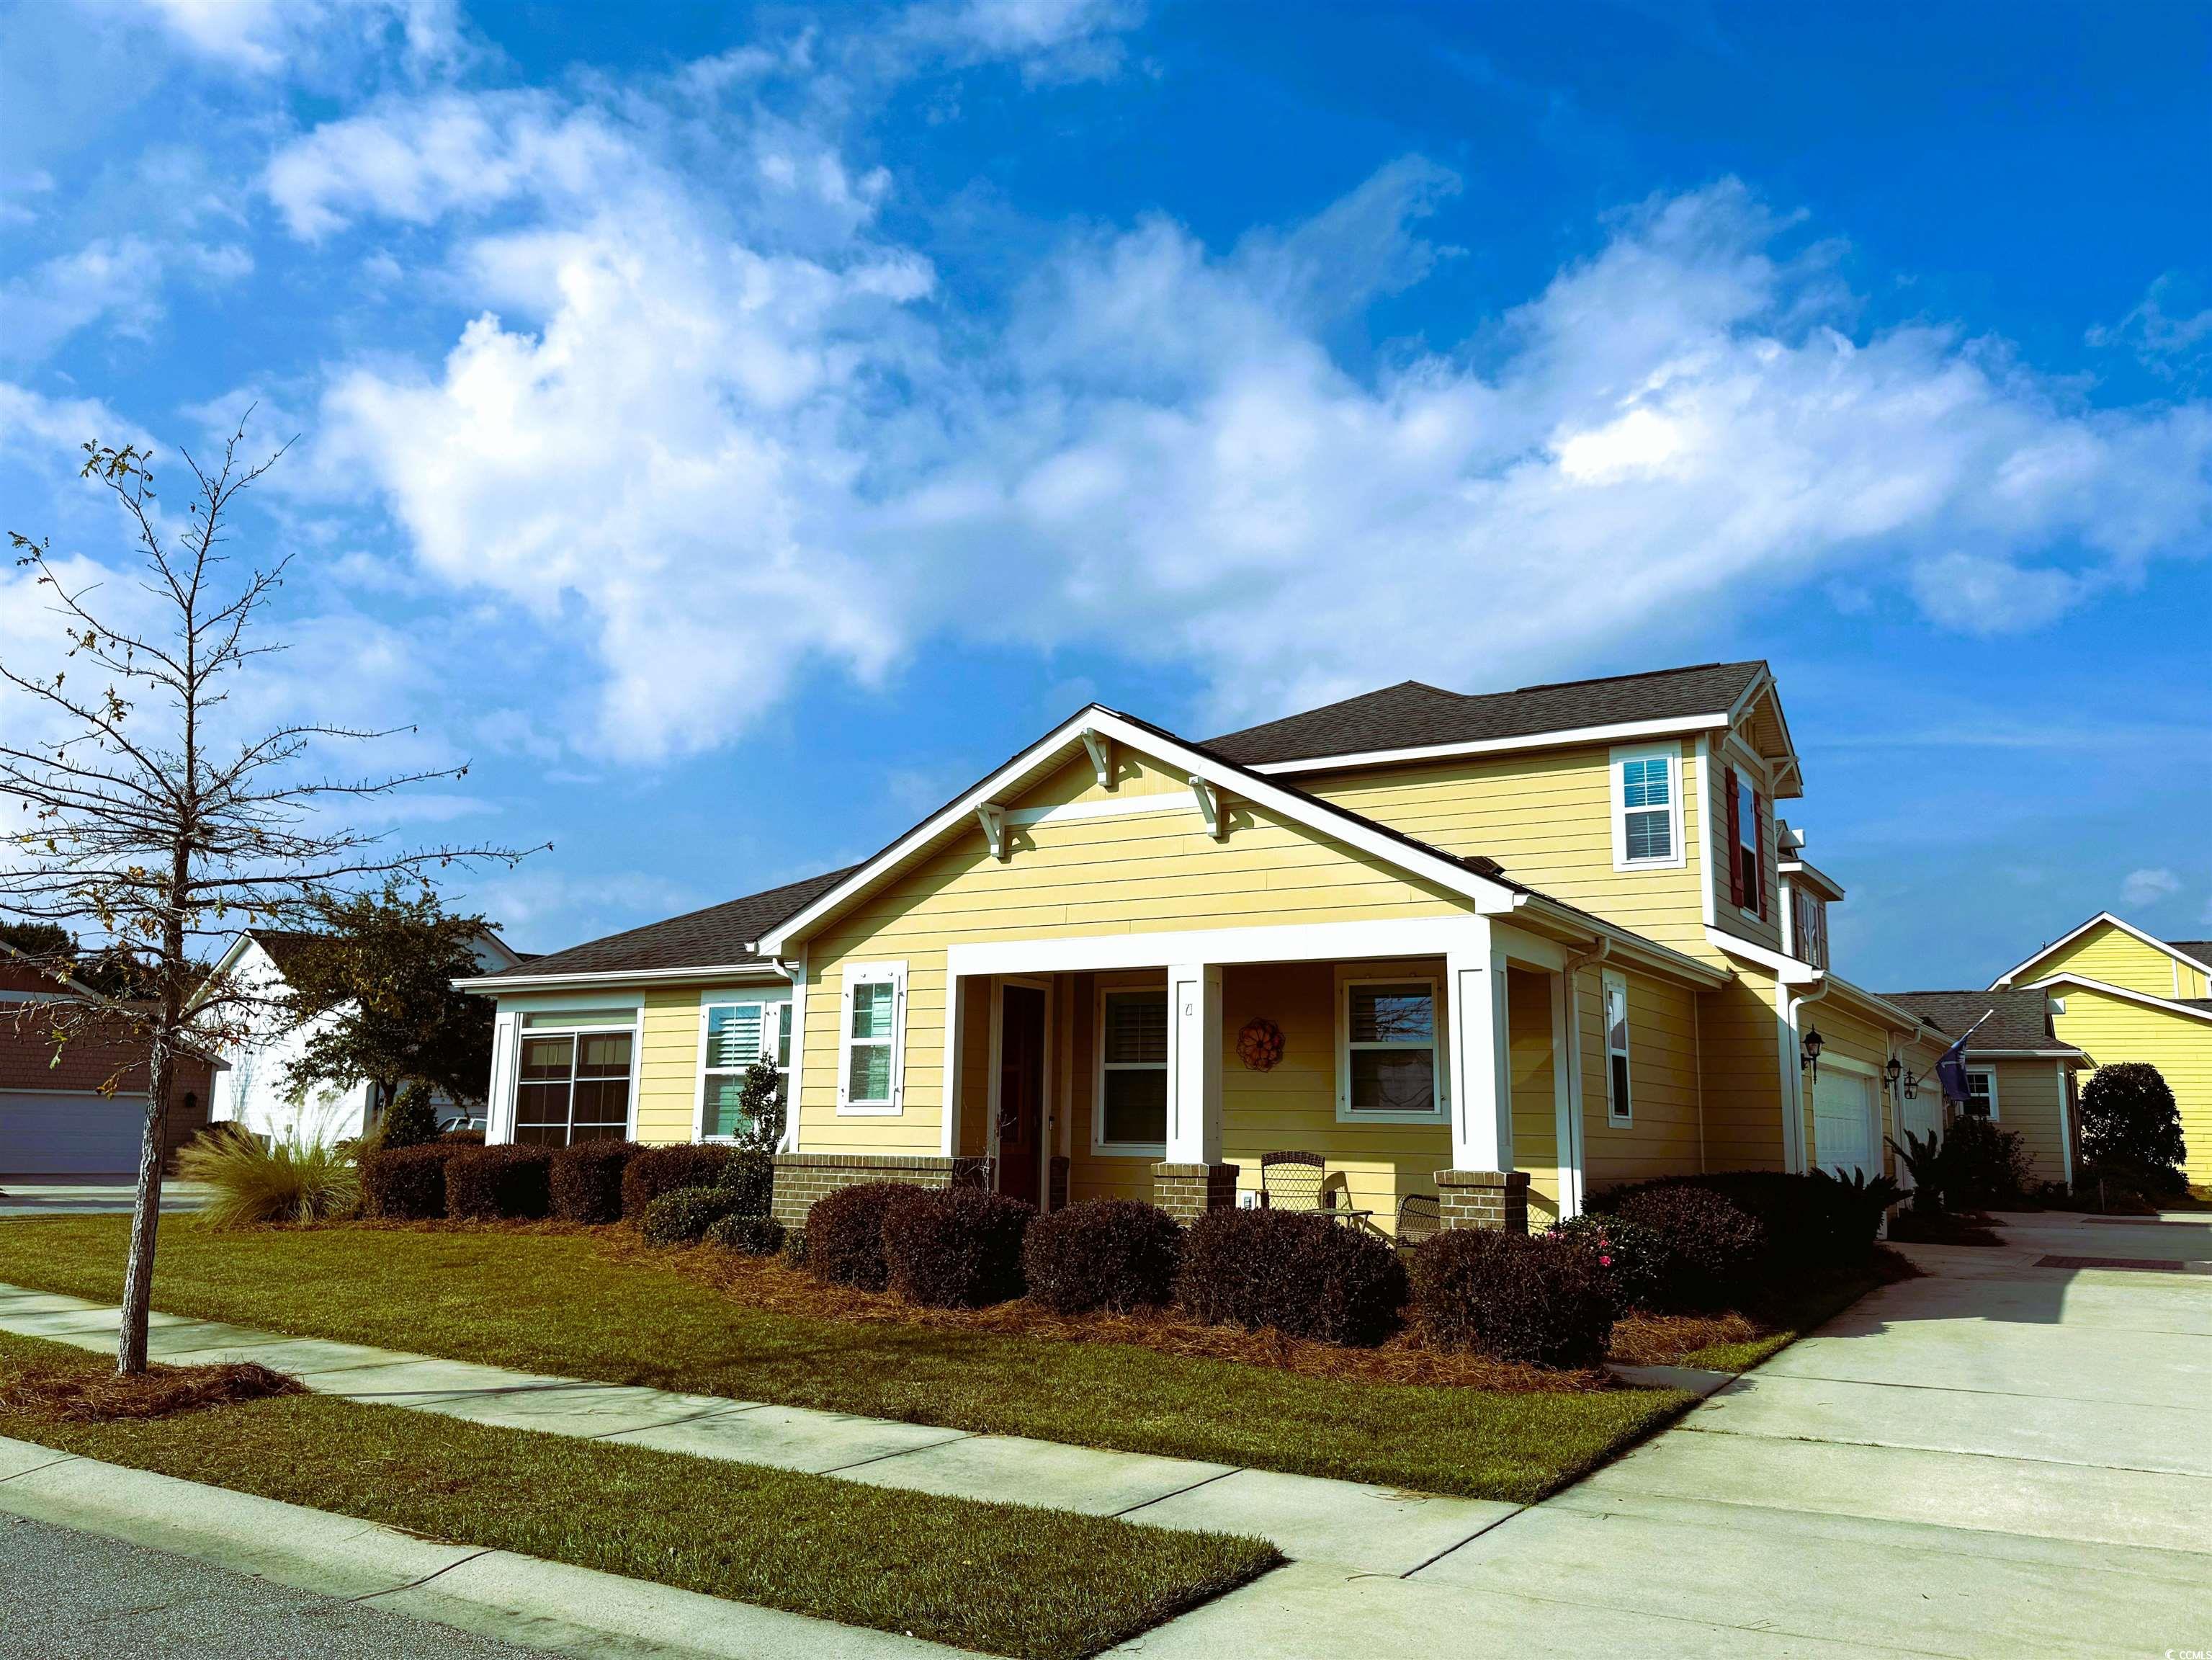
x: 1490, y: 897
x: 1787, y: 969
x: 1872, y: 1001
x: 1565, y: 737
x: 2004, y: 980
x: 1975, y: 1051
x: 2111, y: 990
x: 1813, y: 877
x: 1762, y: 683
x: 501, y: 985
x: 1622, y: 946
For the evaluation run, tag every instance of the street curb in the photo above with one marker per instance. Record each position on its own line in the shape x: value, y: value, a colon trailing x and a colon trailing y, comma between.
x: 490, y: 1593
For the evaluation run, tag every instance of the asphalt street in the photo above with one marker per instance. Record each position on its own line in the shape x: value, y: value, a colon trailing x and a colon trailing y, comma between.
x: 78, y: 1597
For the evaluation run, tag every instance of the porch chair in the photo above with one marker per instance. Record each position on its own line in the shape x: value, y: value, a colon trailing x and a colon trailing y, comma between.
x: 1418, y: 1219
x: 1294, y: 1181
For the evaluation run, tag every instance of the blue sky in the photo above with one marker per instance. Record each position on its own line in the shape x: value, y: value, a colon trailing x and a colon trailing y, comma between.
x: 737, y: 430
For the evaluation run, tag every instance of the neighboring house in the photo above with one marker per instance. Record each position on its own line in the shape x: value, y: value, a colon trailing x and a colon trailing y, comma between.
x: 1494, y: 952
x: 253, y: 1092
x: 2020, y: 1072
x: 54, y: 1118
x: 2123, y: 995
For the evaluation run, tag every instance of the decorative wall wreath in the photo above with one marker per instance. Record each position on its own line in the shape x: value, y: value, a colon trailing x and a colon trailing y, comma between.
x: 1260, y: 1045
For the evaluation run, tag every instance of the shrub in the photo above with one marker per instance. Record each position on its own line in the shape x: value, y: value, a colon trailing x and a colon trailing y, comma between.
x: 586, y: 1178
x: 257, y: 1182
x: 1103, y: 1254
x: 683, y: 1216
x: 1632, y: 1258
x: 656, y: 1170
x: 1714, y: 1246
x: 794, y: 1247
x: 1984, y: 1164
x: 463, y: 1138
x: 406, y: 1184
x: 845, y: 1233
x: 1923, y: 1157
x: 1545, y: 1300
x: 755, y: 1236
x: 412, y: 1121
x: 760, y: 1102
x: 511, y: 1182
x: 750, y: 1173
x: 956, y: 1248
x: 2131, y: 1125
x: 1299, y: 1272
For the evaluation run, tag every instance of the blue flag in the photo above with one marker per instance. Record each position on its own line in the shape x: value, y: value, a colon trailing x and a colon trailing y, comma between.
x: 1951, y: 1070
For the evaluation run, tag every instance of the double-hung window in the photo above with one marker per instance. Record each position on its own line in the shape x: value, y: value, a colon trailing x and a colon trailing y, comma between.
x: 1750, y: 879
x: 1808, y: 914
x: 872, y: 1038
x: 1132, y: 1071
x: 1981, y: 1093
x: 739, y: 1033
x: 1647, y: 807
x: 574, y: 1085
x: 1389, y: 1065
x: 1619, y: 1105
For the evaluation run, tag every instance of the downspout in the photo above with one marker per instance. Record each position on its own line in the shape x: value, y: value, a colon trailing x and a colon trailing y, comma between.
x: 1577, y: 1176
x: 1796, y: 1125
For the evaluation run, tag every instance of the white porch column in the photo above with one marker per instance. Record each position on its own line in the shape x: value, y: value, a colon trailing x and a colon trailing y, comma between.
x: 1567, y: 1087
x: 956, y: 999
x: 1193, y: 1063
x: 1482, y: 1101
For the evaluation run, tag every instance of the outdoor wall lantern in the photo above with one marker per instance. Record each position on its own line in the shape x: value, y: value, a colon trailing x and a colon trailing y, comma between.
x: 1812, y: 1046
x: 1893, y: 1071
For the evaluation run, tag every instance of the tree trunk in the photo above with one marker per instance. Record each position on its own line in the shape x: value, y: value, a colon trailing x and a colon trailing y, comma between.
x: 145, y: 1219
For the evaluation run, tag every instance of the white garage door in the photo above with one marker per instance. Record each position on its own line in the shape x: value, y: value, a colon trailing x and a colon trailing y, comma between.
x: 70, y: 1134
x: 1843, y: 1122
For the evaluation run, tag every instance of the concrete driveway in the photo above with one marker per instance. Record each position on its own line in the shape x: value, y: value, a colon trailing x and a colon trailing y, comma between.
x: 2004, y: 1458
x: 88, y: 1195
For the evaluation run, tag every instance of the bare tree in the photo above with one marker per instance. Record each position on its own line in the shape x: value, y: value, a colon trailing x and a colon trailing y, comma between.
x: 152, y: 821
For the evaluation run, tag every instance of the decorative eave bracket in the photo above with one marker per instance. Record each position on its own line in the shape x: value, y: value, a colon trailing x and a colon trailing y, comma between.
x: 993, y: 817
x: 1102, y: 756
x: 1212, y: 807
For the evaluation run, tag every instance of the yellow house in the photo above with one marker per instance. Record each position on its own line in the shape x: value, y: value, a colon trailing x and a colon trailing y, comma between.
x: 2021, y: 1073
x: 2120, y: 994
x: 1478, y: 955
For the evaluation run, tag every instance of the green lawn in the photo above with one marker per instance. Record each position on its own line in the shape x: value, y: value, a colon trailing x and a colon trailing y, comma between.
x: 556, y: 1302
x: 1000, y: 1577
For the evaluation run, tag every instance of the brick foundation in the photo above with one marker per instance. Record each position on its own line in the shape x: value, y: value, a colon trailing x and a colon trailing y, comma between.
x: 1483, y: 1198
x: 803, y: 1177
x: 1186, y: 1191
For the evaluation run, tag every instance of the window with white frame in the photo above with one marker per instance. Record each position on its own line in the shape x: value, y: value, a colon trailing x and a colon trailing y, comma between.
x: 1751, y: 869
x: 572, y: 1084
x: 736, y: 1033
x: 1618, y: 1100
x: 872, y: 1038
x: 1981, y: 1093
x: 1808, y: 920
x: 1647, y: 807
x: 1388, y: 1067
x: 1132, y: 1071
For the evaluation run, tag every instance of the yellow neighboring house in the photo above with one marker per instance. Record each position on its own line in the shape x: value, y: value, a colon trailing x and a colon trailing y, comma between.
x: 1481, y: 956
x: 2020, y: 1072
x: 2122, y: 995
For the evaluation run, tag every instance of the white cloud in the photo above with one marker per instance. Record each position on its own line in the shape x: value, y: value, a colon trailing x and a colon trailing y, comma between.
x: 1050, y: 39
x: 261, y: 37
x: 2173, y: 347
x: 715, y: 406
x: 2145, y: 887
x: 120, y: 280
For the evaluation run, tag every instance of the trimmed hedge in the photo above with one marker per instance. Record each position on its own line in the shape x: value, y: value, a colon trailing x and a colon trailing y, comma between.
x: 956, y: 1248
x: 1303, y: 1275
x: 587, y: 1181
x: 486, y: 1185
x: 406, y: 1184
x: 656, y: 1170
x: 1115, y: 1253
x: 1715, y: 1249
x: 754, y: 1236
x: 794, y: 1247
x: 1633, y: 1260
x: 681, y: 1217
x: 750, y: 1173
x: 845, y: 1233
x: 1544, y: 1300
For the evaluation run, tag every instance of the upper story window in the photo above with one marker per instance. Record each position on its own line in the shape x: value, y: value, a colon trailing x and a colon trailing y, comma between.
x: 1809, y: 921
x: 1647, y: 807
x: 1388, y: 1066
x: 1746, y: 839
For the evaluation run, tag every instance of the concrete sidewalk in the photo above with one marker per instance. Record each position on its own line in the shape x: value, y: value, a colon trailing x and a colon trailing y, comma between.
x: 90, y: 1195
x: 1355, y: 1528
x: 2000, y: 1458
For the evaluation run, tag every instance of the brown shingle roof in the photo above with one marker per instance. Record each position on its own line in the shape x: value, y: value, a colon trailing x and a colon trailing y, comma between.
x: 286, y: 948
x: 720, y: 936
x: 1413, y: 715
x: 2022, y: 1020
x: 2199, y: 949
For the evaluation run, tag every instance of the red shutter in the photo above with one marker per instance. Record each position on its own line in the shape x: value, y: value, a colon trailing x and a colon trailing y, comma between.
x: 1735, y: 840
x: 1758, y: 861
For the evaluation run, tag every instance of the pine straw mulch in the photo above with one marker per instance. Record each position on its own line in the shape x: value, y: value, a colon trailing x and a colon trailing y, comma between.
x: 94, y: 1394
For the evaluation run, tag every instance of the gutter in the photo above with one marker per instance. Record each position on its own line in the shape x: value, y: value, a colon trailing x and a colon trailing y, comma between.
x: 1796, y: 1126
x: 497, y: 984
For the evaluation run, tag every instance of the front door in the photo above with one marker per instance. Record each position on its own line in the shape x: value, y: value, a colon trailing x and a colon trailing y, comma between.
x: 1021, y: 1089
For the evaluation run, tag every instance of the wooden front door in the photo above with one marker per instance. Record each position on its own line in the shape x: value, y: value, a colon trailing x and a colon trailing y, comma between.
x: 1021, y: 1089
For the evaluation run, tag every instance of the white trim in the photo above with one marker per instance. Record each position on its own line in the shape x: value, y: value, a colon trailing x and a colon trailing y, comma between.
x: 1119, y: 807
x: 1101, y: 751
x: 1476, y: 1036
x: 795, y: 1092
x: 1352, y: 974
x: 1212, y: 806
x: 1617, y: 1116
x: 993, y: 817
x: 2156, y: 944
x: 1566, y: 1092
x: 1787, y: 969
x: 1705, y: 829
x: 1100, y: 1147
x: 1194, y: 1063
x: 2066, y: 1123
x: 992, y: 1120
x: 1564, y: 738
x: 1616, y: 759
x: 504, y: 985
x: 1339, y: 825
x: 1990, y: 1072
x: 635, y: 1031
x: 1823, y: 884
x: 857, y: 975
x: 2143, y: 997
x: 2059, y: 1052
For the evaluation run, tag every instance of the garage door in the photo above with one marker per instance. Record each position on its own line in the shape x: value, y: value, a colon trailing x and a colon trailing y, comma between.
x: 70, y: 1134
x: 1843, y: 1122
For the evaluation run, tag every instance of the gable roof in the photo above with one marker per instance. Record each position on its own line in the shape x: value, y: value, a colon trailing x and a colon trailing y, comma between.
x: 1412, y: 715
x: 2195, y: 1008
x: 2197, y: 953
x: 2018, y: 1019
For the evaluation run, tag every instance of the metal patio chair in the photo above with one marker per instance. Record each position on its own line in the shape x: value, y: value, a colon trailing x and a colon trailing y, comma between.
x: 1293, y: 1181
x: 1420, y: 1217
